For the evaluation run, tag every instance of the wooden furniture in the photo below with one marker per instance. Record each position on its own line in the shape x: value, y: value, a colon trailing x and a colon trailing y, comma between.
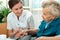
x: 3, y: 28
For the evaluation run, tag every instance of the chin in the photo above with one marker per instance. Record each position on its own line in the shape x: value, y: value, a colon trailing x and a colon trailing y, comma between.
x: 18, y: 15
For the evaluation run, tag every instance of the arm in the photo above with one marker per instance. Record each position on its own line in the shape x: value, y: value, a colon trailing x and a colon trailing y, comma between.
x: 57, y: 37
x: 12, y: 33
x: 30, y: 22
x: 48, y: 38
x: 32, y: 31
x: 31, y: 26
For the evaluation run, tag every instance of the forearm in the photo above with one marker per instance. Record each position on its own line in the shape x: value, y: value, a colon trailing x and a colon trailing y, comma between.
x: 12, y: 33
x: 52, y: 38
x: 48, y: 38
x: 35, y: 30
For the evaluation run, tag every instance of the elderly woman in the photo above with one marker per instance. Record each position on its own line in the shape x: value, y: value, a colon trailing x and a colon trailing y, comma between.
x: 50, y: 26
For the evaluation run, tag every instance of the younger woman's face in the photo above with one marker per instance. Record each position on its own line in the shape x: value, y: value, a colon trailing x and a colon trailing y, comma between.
x: 17, y: 9
x: 46, y: 15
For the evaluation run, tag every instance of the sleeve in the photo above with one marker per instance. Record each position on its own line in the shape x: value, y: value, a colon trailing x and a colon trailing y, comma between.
x: 58, y: 30
x: 9, y: 25
x: 30, y: 22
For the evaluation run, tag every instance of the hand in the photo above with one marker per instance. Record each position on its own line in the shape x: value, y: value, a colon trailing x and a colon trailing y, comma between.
x: 17, y: 35
x: 20, y: 34
x: 32, y: 31
x: 25, y: 30
x: 18, y: 29
x: 23, y: 33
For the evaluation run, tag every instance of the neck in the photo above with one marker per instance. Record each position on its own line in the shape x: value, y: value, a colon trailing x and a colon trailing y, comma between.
x: 18, y: 17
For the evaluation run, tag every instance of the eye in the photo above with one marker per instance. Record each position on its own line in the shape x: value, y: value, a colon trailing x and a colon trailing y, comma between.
x: 16, y: 9
x: 21, y: 7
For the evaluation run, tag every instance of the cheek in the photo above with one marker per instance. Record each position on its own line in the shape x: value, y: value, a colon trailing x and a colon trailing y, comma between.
x: 43, y: 16
x: 21, y: 10
x: 14, y: 11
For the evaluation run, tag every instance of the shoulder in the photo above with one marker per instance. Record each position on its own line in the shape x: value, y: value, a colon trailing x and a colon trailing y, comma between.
x: 10, y: 15
x: 27, y: 13
x: 56, y: 21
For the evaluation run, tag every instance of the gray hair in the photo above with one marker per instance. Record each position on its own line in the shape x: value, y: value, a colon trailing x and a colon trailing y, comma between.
x: 54, y: 6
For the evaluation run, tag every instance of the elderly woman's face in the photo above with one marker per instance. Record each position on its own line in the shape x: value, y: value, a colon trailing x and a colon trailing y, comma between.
x: 46, y: 15
x: 17, y: 9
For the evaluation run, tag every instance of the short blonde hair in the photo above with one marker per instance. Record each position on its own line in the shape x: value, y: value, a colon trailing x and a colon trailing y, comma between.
x: 54, y: 6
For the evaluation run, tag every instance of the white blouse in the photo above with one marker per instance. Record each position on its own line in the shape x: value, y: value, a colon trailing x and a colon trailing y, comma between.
x: 25, y: 20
